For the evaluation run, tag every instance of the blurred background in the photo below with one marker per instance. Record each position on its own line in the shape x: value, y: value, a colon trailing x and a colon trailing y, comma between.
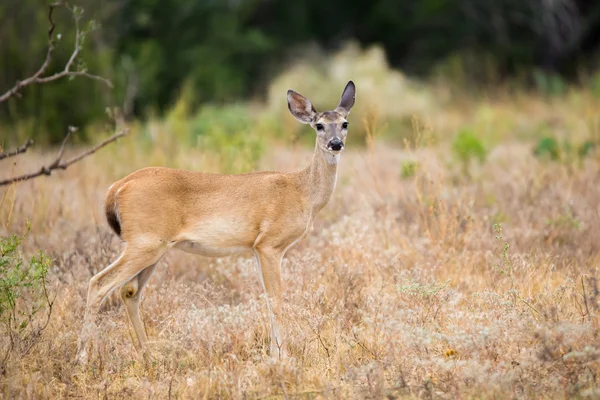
x: 221, y: 64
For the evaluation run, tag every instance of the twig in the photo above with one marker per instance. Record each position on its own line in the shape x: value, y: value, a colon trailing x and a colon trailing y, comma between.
x: 91, y: 151
x: 16, y: 151
x: 71, y: 130
x: 587, y: 309
x: 170, y: 386
x: 532, y: 308
x: 37, y: 77
x: 4, y: 360
x: 58, y: 164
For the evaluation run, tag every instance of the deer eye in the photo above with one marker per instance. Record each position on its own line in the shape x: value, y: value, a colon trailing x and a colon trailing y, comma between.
x: 345, y: 125
x: 320, y: 127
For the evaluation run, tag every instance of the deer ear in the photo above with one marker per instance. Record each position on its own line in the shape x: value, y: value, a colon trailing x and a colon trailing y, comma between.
x: 300, y: 107
x: 347, y: 100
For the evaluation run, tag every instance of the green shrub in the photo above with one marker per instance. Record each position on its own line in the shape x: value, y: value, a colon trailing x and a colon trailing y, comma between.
x: 227, y: 120
x: 409, y: 168
x: 229, y: 135
x: 467, y: 147
x: 550, y: 148
x: 547, y: 147
x: 549, y: 84
x: 586, y: 148
x: 595, y: 84
x: 23, y: 296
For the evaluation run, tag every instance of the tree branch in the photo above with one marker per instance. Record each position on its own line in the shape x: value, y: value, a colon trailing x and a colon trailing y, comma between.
x: 38, y: 76
x: 94, y: 149
x: 58, y: 163
x: 16, y: 151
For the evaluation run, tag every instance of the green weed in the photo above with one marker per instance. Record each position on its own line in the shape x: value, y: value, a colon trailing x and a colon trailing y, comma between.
x: 227, y: 133
x: 549, y: 148
x: 23, y: 295
x: 408, y: 169
x: 467, y: 147
x: 505, y: 265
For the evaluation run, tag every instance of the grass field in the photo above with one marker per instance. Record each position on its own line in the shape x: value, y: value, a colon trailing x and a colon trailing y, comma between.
x: 446, y: 268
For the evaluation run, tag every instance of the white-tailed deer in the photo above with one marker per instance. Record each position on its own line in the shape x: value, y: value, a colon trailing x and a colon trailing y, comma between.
x: 155, y: 209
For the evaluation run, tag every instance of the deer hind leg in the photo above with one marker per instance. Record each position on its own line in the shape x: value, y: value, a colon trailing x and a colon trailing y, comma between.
x: 131, y: 293
x: 132, y: 261
x: 269, y: 269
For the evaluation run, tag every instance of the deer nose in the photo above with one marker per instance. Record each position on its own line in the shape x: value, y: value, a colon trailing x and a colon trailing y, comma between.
x: 335, y: 144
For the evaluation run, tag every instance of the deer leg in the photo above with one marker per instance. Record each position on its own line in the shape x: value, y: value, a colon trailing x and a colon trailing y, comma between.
x: 131, y: 293
x: 269, y: 269
x: 131, y: 262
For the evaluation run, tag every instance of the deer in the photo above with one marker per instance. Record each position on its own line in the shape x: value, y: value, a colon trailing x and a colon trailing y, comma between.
x: 155, y: 209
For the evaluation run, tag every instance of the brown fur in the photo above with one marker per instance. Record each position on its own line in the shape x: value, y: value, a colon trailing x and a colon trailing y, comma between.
x: 111, y: 209
x: 156, y: 208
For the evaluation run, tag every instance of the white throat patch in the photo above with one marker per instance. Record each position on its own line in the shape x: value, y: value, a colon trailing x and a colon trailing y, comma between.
x: 331, y: 159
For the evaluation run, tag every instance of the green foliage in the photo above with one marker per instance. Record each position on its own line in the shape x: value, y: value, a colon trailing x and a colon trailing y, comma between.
x: 227, y: 132
x: 595, y: 84
x: 586, y: 148
x: 549, y: 148
x: 467, y: 147
x: 45, y: 111
x: 228, y: 121
x: 209, y: 44
x: 565, y: 220
x: 23, y: 295
x: 549, y: 84
x: 409, y: 168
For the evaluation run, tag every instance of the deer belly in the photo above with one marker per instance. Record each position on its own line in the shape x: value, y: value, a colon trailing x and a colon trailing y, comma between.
x: 207, y: 250
x: 217, y: 237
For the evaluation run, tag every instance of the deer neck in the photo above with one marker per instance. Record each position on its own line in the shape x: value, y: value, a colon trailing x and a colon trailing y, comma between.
x: 320, y: 178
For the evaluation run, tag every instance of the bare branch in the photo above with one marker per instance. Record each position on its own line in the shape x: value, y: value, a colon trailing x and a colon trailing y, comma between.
x: 72, y: 129
x: 66, y: 73
x: 38, y: 76
x: 58, y: 164
x: 94, y: 149
x: 16, y: 151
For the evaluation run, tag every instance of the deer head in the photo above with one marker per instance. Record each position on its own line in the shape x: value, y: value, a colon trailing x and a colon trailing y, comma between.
x: 331, y: 126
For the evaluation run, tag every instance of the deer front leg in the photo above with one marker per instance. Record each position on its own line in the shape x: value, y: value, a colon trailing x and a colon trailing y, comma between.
x: 269, y: 269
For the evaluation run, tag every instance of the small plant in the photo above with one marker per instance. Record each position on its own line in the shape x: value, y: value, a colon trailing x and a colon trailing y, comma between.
x: 585, y: 148
x: 566, y: 220
x: 547, y: 147
x: 550, y: 148
x: 595, y: 85
x: 409, y: 168
x: 23, y: 296
x: 549, y: 84
x: 429, y: 297
x: 467, y: 147
x: 505, y: 264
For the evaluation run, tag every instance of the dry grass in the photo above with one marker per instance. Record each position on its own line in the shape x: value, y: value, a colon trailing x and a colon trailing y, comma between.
x: 404, y: 290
